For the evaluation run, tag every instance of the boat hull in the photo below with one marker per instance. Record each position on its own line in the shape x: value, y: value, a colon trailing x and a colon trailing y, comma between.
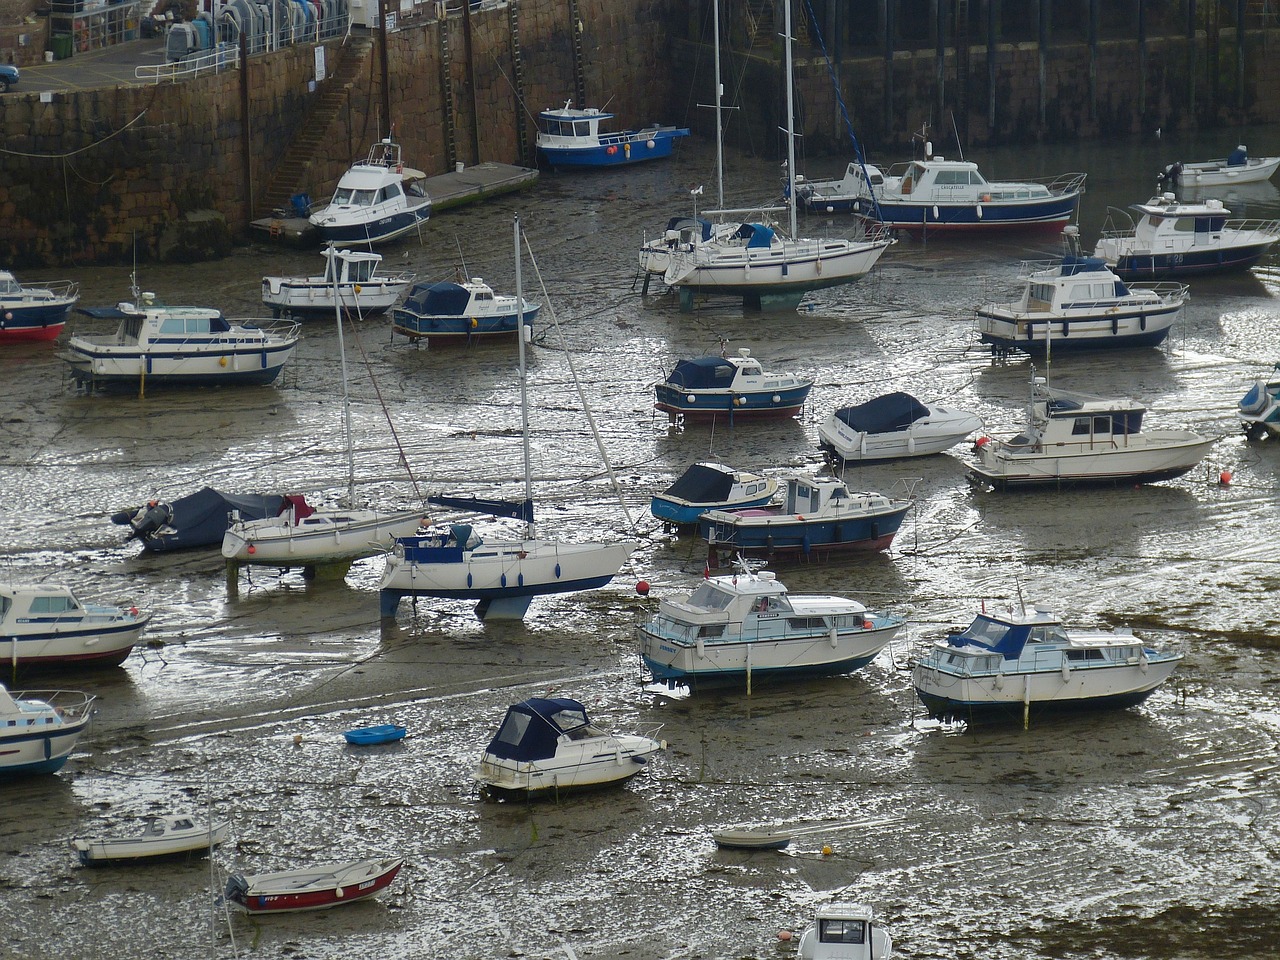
x: 32, y: 325
x: 917, y: 219
x: 339, y: 229
x: 684, y: 513
x: 847, y: 446
x: 1142, y: 328
x: 91, y: 645
x: 314, y: 300
x: 343, y: 884
x: 190, y: 843
x: 39, y: 749
x: 612, y: 764
x: 615, y: 150
x: 459, y: 331
x: 341, y: 537
x: 1146, y: 462
x: 695, y: 404
x: 771, y: 535
x: 676, y: 662
x: 1221, y: 173
x: 372, y: 736
x: 1189, y: 263
x: 206, y: 367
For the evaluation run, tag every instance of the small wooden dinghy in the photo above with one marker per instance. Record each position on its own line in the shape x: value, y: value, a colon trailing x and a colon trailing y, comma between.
x: 319, y: 887
x: 739, y: 839
x: 167, y: 836
x: 382, y: 733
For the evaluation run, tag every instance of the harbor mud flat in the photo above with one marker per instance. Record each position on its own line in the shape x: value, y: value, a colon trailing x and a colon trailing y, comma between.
x: 1151, y: 833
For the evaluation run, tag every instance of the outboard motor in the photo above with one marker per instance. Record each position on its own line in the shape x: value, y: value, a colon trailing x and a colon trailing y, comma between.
x: 1169, y: 177
x: 149, y: 519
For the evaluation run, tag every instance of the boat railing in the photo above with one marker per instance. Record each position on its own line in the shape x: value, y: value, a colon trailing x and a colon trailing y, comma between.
x: 57, y: 290
x: 1168, y: 292
x: 72, y: 704
x: 1065, y: 183
x: 1257, y: 230
x: 282, y: 328
x: 1114, y: 229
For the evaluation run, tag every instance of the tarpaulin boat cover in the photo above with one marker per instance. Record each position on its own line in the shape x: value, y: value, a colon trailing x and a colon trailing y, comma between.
x: 702, y: 483
x: 893, y: 411
x: 702, y: 373
x: 532, y: 728
x: 443, y: 299
x: 201, y: 519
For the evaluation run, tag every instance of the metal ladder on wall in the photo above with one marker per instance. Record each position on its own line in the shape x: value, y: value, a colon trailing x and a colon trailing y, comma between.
x: 447, y: 97
x: 579, y: 80
x: 517, y: 80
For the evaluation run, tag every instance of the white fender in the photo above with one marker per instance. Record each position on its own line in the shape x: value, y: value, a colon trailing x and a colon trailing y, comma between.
x: 701, y: 648
x: 1066, y: 671
x: 833, y: 637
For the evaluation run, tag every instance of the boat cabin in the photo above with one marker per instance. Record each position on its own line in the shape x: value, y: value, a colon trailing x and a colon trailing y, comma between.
x: 844, y: 931
x: 1166, y: 218
x: 814, y: 495
x: 1066, y: 417
x: 570, y: 124
x: 350, y: 266
x: 992, y: 639
x: 533, y: 728
x: 31, y: 605
x: 937, y: 178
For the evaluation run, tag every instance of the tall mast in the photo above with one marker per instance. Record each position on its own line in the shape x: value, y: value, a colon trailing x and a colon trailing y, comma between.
x: 524, y: 382
x: 715, y: 19
x: 346, y: 397
x: 791, y: 120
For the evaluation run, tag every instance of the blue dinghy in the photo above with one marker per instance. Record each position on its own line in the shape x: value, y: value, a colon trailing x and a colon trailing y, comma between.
x: 382, y: 733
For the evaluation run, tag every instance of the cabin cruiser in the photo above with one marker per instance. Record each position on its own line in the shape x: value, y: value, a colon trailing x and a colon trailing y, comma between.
x: 709, y: 387
x: 463, y: 312
x: 47, y: 625
x: 711, y: 486
x: 844, y: 931
x: 36, y: 312
x: 350, y: 280
x: 377, y: 200
x: 40, y: 728
x: 893, y: 426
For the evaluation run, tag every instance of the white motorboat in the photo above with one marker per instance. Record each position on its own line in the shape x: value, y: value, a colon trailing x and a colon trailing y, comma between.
x: 769, y: 270
x: 177, y: 835
x: 1179, y: 238
x: 1079, y: 303
x: 711, y: 486
x: 1013, y: 663
x: 844, y: 931
x: 47, y: 625
x: 1236, y: 167
x: 317, y: 887
x: 1260, y: 407
x: 40, y: 728
x: 746, y: 625
x: 502, y: 576
x: 549, y: 746
x: 377, y: 200
x: 727, y: 386
x: 463, y: 313
x: 1077, y: 439
x: 357, y: 288
x: 893, y: 426
x: 180, y: 346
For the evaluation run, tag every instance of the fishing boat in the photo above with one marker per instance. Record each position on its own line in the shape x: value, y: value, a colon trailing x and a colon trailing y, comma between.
x: 378, y: 200
x: 377, y: 734
x: 465, y: 313
x: 768, y: 270
x: 728, y: 386
x: 745, y: 624
x: 350, y: 282
x: 1079, y: 303
x: 1236, y: 167
x: 300, y: 535
x: 198, y: 519
x: 936, y: 195
x: 1011, y: 663
x: 1077, y: 439
x: 40, y: 728
x: 503, y: 576
x: 179, y: 346
x: 1260, y: 407
x: 844, y: 931
x: 47, y: 625
x: 818, y: 516
x: 893, y: 426
x: 548, y: 746
x: 319, y: 887
x: 570, y: 136
x: 1177, y: 238
x: 710, y: 486
x: 161, y: 837
x: 34, y: 313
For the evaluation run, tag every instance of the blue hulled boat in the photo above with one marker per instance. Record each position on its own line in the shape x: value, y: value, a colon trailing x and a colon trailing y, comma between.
x: 818, y: 515
x: 572, y: 137
x: 709, y: 387
x: 711, y: 486
x: 34, y: 313
x: 377, y: 200
x: 448, y: 312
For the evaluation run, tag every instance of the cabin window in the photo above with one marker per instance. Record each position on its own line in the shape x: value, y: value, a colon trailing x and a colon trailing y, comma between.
x: 1080, y: 426
x: 842, y: 931
x: 724, y: 373
x: 52, y: 604
x: 5, y: 605
x: 1042, y: 292
x: 513, y: 728
x: 710, y: 597
x: 361, y: 271
x: 951, y: 178
x: 1079, y: 656
x: 711, y: 631
x: 807, y: 623
x: 483, y: 295
x: 582, y: 128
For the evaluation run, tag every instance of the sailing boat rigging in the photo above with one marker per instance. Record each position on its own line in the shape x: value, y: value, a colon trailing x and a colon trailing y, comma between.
x: 302, y: 536
x: 757, y: 263
x: 502, y: 576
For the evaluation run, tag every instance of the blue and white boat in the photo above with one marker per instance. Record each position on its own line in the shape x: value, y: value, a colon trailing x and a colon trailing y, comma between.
x: 746, y: 624
x: 711, y: 486
x: 573, y: 137
x: 726, y: 386
x: 40, y: 728
x: 377, y: 200
x: 34, y: 313
x: 893, y: 426
x: 1079, y: 303
x: 937, y: 195
x: 1236, y: 167
x: 1176, y: 238
x: 463, y: 313
x: 1260, y: 407
x: 818, y: 516
x: 48, y: 626
x: 1013, y: 663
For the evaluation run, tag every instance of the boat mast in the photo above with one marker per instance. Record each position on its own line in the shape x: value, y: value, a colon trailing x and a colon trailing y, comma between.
x: 524, y: 382
x: 791, y: 120
x: 346, y: 396
x: 715, y: 20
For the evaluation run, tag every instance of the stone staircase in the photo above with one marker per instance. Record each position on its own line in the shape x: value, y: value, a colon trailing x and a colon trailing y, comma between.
x: 291, y: 172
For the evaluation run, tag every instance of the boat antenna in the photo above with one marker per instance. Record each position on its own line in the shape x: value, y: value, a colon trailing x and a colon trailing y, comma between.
x: 346, y: 396
x: 956, y: 133
x: 524, y: 382
x: 458, y: 241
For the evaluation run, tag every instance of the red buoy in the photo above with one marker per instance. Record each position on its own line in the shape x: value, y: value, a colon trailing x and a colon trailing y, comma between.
x: 642, y: 588
x: 1224, y: 478
x: 252, y: 550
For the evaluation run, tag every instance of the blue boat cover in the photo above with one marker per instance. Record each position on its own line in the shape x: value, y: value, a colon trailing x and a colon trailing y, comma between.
x: 701, y: 483
x: 702, y: 373
x: 532, y: 728
x: 756, y: 234
x: 201, y: 519
x: 893, y: 411
x: 516, y: 509
x: 442, y: 299
x: 1238, y: 156
x: 1006, y: 639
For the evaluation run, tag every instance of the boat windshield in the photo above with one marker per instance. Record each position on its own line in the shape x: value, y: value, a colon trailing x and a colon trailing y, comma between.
x: 354, y: 198
x: 843, y: 931
x: 983, y: 632
x: 710, y: 597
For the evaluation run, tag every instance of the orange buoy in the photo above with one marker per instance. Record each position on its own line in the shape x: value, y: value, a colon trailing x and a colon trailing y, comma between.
x: 826, y: 850
x: 1224, y: 478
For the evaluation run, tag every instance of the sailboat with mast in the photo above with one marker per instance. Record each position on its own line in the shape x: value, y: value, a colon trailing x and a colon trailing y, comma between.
x: 768, y: 270
x: 301, y: 535
x: 503, y: 577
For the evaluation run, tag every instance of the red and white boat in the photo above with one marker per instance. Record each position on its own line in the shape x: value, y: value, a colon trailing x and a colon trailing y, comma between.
x: 318, y: 887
